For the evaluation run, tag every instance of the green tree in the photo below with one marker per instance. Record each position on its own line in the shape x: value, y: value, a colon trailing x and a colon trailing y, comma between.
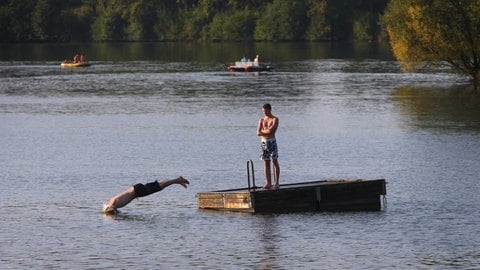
x: 109, y: 24
x: 365, y: 26
x: 5, y: 27
x: 18, y: 20
x: 282, y: 20
x: 318, y: 27
x: 197, y: 19
x: 118, y: 20
x: 141, y: 19
x: 236, y: 26
x: 425, y: 32
x: 43, y: 20
x: 240, y: 5
x: 340, y: 16
x: 367, y: 19
x: 166, y: 26
x: 78, y: 21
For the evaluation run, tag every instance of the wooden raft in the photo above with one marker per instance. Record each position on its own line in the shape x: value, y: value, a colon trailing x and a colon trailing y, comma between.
x: 326, y: 195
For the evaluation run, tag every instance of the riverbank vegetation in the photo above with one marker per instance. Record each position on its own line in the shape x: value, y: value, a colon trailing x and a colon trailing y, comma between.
x: 436, y: 34
x: 190, y: 20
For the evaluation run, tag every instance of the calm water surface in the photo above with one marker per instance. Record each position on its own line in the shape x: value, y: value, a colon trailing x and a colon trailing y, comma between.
x: 72, y: 138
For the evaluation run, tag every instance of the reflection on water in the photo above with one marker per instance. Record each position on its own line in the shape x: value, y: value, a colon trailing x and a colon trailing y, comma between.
x: 440, y: 107
x: 193, y: 52
x: 269, y: 235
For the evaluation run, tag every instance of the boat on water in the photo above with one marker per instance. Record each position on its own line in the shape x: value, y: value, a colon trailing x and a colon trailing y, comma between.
x: 245, y: 65
x: 249, y: 67
x: 73, y: 64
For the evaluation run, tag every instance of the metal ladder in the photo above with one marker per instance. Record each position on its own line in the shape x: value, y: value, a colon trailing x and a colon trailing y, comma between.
x: 250, y: 167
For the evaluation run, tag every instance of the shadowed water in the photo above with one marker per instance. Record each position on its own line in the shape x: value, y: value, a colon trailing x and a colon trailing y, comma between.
x: 72, y: 138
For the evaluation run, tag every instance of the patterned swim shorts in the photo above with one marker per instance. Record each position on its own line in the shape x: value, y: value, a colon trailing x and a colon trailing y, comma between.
x: 269, y: 149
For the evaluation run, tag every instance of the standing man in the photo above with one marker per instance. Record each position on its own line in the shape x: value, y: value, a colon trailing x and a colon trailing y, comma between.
x: 256, y: 61
x: 267, y: 126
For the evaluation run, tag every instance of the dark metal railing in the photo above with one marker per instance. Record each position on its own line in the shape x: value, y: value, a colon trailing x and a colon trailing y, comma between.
x: 250, y: 167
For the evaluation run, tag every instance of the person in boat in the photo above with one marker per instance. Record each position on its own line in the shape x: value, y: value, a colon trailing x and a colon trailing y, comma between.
x: 76, y: 58
x: 256, y: 61
x: 267, y: 127
x: 244, y: 59
x: 139, y: 190
x: 83, y: 58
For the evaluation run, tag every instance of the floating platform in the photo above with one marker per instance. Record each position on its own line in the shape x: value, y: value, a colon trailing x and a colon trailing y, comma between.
x: 326, y: 195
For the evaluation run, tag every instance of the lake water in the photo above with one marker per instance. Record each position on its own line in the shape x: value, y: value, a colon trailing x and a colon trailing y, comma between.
x: 72, y: 138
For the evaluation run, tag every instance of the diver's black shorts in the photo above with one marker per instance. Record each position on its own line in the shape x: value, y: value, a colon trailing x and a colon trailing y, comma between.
x: 142, y: 190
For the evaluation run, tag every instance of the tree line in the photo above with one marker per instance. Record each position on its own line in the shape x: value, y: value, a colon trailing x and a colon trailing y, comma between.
x: 191, y: 20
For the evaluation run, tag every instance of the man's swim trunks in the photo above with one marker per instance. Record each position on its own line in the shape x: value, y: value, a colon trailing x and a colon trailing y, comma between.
x: 269, y: 149
x: 142, y: 190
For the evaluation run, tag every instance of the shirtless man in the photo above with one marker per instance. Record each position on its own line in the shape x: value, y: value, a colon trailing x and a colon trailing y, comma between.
x: 139, y: 190
x: 267, y: 126
x: 76, y: 58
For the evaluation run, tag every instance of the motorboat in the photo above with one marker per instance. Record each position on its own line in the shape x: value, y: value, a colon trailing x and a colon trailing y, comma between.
x: 246, y: 65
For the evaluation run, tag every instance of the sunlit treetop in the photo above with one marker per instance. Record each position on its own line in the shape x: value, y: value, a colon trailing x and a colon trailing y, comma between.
x: 429, y: 32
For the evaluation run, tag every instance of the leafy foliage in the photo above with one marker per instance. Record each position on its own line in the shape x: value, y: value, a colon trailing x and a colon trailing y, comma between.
x: 283, y: 20
x: 318, y: 28
x: 209, y: 20
x: 424, y: 32
x: 235, y: 26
